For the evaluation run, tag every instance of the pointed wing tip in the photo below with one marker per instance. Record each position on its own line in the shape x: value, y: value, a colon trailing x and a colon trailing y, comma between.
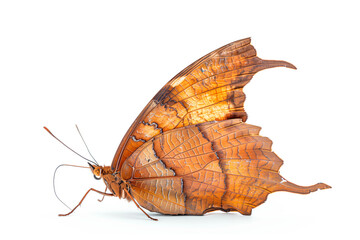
x: 289, y: 65
x: 291, y: 187
x: 242, y: 42
x: 276, y: 63
x: 322, y: 186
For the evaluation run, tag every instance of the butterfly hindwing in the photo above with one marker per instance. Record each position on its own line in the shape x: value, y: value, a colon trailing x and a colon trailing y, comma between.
x: 222, y: 165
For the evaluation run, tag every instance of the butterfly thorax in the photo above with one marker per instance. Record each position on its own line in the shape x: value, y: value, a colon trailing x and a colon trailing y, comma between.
x: 112, y: 180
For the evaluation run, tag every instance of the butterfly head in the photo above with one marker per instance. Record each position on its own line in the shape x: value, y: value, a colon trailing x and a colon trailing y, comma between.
x: 97, y: 171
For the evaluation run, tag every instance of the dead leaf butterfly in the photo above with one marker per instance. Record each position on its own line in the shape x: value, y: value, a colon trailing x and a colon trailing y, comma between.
x: 190, y: 150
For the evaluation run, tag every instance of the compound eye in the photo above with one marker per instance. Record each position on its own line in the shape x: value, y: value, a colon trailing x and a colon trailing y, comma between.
x: 97, y: 174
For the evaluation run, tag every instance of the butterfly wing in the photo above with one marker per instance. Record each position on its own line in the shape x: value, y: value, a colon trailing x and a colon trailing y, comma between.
x: 222, y: 165
x: 209, y: 89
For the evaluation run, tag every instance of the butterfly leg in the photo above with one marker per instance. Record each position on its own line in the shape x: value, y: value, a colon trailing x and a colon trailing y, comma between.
x: 91, y: 189
x: 138, y: 205
x: 100, y: 200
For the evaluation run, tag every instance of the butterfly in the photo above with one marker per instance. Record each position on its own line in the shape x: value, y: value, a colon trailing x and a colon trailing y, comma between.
x: 190, y: 150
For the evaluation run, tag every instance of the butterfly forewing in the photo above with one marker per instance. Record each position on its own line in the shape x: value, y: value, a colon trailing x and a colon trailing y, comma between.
x: 209, y: 89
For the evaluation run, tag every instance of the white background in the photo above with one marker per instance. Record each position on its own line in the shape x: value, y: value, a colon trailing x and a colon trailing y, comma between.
x: 97, y: 64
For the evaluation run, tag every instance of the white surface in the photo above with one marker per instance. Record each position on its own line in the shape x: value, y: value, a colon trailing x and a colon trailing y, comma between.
x: 97, y: 64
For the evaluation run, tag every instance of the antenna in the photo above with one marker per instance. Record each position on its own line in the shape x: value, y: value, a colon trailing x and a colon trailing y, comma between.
x: 86, y: 144
x: 70, y: 148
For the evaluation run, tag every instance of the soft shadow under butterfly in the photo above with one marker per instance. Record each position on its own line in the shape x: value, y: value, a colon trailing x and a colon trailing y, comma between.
x: 190, y: 150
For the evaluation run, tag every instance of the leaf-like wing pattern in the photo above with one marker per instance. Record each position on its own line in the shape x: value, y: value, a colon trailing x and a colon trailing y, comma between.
x: 209, y: 89
x: 223, y: 165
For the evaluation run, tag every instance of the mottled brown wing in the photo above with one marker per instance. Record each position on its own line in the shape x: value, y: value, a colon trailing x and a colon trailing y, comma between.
x: 209, y: 89
x: 222, y: 165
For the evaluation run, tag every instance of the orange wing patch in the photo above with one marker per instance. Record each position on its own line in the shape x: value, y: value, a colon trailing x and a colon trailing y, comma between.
x: 209, y: 89
x: 219, y: 165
